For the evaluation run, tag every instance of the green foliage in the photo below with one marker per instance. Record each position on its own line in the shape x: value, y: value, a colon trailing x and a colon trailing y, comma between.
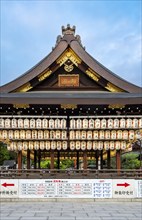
x: 130, y: 161
x: 66, y: 163
x: 4, y: 153
x: 45, y: 164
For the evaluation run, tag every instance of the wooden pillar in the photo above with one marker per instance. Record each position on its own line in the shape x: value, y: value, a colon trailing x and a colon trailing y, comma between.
x: 19, y: 160
x: 39, y: 157
x: 118, y: 161
x: 84, y: 160
x: 101, y: 157
x: 28, y: 159
x: 77, y: 160
x: 108, y: 160
x: 58, y: 159
x: 97, y: 157
x: 52, y: 159
x: 35, y: 158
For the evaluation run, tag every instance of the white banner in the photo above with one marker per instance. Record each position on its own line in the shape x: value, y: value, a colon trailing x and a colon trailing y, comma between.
x: 123, y: 188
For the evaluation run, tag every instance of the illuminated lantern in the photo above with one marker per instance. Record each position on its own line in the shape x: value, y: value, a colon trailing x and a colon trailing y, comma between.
x: 58, y: 134
x: 77, y: 145
x: 53, y: 145
x: 119, y: 134
x: 103, y: 123
x: 59, y: 146
x: 32, y: 123
x: 100, y: 145
x: 19, y: 145
x: 25, y: 145
x: 125, y: 134
x: 79, y: 123
x: 112, y: 145
x: 52, y: 134
x: 77, y: 134
x: 64, y: 145
x: 72, y: 135
x: 113, y: 134
x: 1, y: 123
x: 31, y: 145
x: 117, y: 145
x: 123, y: 145
x: 129, y: 123
x: 83, y: 145
x: 20, y: 123
x: 95, y: 145
x: 101, y: 134
x: 7, y: 123
x: 63, y: 123
x: 131, y: 134
x: 16, y: 134
x: 22, y: 134
x: 140, y: 122
x: 85, y: 123
x: 122, y: 123
x: 97, y: 123
x: 4, y: 134
x: 14, y: 123
x: 47, y: 145
x: 116, y: 123
x: 91, y: 123
x: 89, y: 145
x: 106, y: 145
x: 26, y: 123
x: 40, y: 134
x: 10, y: 134
x: 72, y: 124
x: 135, y: 123
x: 41, y: 145
x: 14, y: 146
x: 8, y: 148
x: 46, y: 134
x: 95, y: 135
x: 38, y: 123
x: 89, y: 135
x: 57, y: 123
x: 72, y: 145
x: 34, y: 134
x: 28, y: 134
x: 36, y: 145
x: 83, y: 135
x: 1, y: 137
x: 64, y: 135
x: 110, y: 123
x: 45, y: 123
x: 107, y: 134
x: 51, y: 123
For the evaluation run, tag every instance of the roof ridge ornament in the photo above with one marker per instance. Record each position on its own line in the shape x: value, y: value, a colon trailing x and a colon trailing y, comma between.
x: 68, y: 30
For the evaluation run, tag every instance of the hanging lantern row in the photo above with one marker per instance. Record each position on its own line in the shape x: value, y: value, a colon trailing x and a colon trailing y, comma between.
x: 98, y: 145
x: 105, y: 123
x: 33, y: 134
x: 33, y: 123
x: 101, y: 134
x: 36, y: 145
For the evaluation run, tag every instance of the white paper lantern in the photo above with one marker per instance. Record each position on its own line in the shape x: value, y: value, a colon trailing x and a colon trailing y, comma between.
x: 14, y: 123
x: 4, y: 134
x: 64, y: 145
x: 125, y: 134
x: 129, y: 123
x: 95, y: 135
x: 53, y: 145
x: 91, y: 123
x: 1, y: 123
x: 95, y: 145
x: 72, y: 135
x: 59, y: 145
x: 106, y: 145
x: 7, y: 123
x: 41, y: 145
x: 116, y: 123
x: 122, y: 123
x: 113, y: 134
x: 77, y: 145
x: 100, y: 145
x: 10, y: 134
x: 101, y: 134
x: 26, y: 123
x: 25, y: 145
x: 36, y: 145
x: 89, y: 135
x: 110, y: 123
x: 83, y: 135
x: 47, y: 145
x: 119, y: 134
x: 117, y: 145
x: 85, y: 123
x: 22, y: 134
x: 34, y: 134
x: 140, y: 122
x: 20, y: 123
x: 123, y: 145
x: 64, y: 135
x: 83, y: 145
x: 46, y: 134
x: 45, y: 123
x: 135, y: 123
x: 52, y: 135
x: 103, y: 123
x: 107, y: 135
x: 89, y: 145
x: 112, y: 145
x: 28, y: 134
x: 57, y: 123
x: 131, y: 134
x: 31, y: 145
x: 38, y: 123
x: 79, y: 123
x: 40, y: 134
x: 16, y: 134
x: 19, y: 145
x: 58, y: 134
x: 72, y: 123
x: 32, y: 123
x: 77, y: 135
x: 1, y: 136
x: 72, y: 145
x: 98, y: 123
x: 51, y: 123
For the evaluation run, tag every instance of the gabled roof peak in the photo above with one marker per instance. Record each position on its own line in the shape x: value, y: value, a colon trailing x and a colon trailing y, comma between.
x: 68, y: 30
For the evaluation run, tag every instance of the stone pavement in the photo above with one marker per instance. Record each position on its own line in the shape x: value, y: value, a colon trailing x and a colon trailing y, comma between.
x: 71, y: 210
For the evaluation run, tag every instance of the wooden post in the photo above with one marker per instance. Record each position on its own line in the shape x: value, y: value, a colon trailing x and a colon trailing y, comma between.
x: 39, y: 157
x: 84, y: 160
x: 19, y: 160
x: 28, y: 159
x: 118, y: 161
x: 35, y: 158
x: 101, y: 159
x: 52, y: 159
x: 108, y: 160
x: 58, y: 159
x: 97, y: 157
x: 77, y: 161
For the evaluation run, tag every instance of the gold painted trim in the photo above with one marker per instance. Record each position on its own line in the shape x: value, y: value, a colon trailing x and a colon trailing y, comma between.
x: 21, y: 105
x: 113, y: 88
x: 68, y: 55
x: 24, y: 88
x: 44, y: 75
x: 93, y: 75
x: 68, y: 106
x: 116, y: 106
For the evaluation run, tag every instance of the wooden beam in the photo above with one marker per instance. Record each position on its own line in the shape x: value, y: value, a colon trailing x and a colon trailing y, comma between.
x: 77, y: 160
x: 101, y: 158
x: 39, y: 158
x: 35, y: 158
x: 19, y: 160
x: 28, y: 159
x: 108, y: 160
x: 118, y: 161
x: 85, y: 160
x: 52, y: 159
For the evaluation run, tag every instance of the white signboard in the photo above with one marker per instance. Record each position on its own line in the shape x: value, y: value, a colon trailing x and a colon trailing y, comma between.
x: 139, y: 188
x: 102, y: 188
x: 9, y: 188
x: 123, y: 188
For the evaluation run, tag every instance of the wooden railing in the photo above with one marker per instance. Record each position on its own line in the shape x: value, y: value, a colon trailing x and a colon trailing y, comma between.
x: 70, y: 174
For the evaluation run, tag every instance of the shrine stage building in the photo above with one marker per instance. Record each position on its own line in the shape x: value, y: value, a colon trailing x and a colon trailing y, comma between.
x: 69, y: 106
